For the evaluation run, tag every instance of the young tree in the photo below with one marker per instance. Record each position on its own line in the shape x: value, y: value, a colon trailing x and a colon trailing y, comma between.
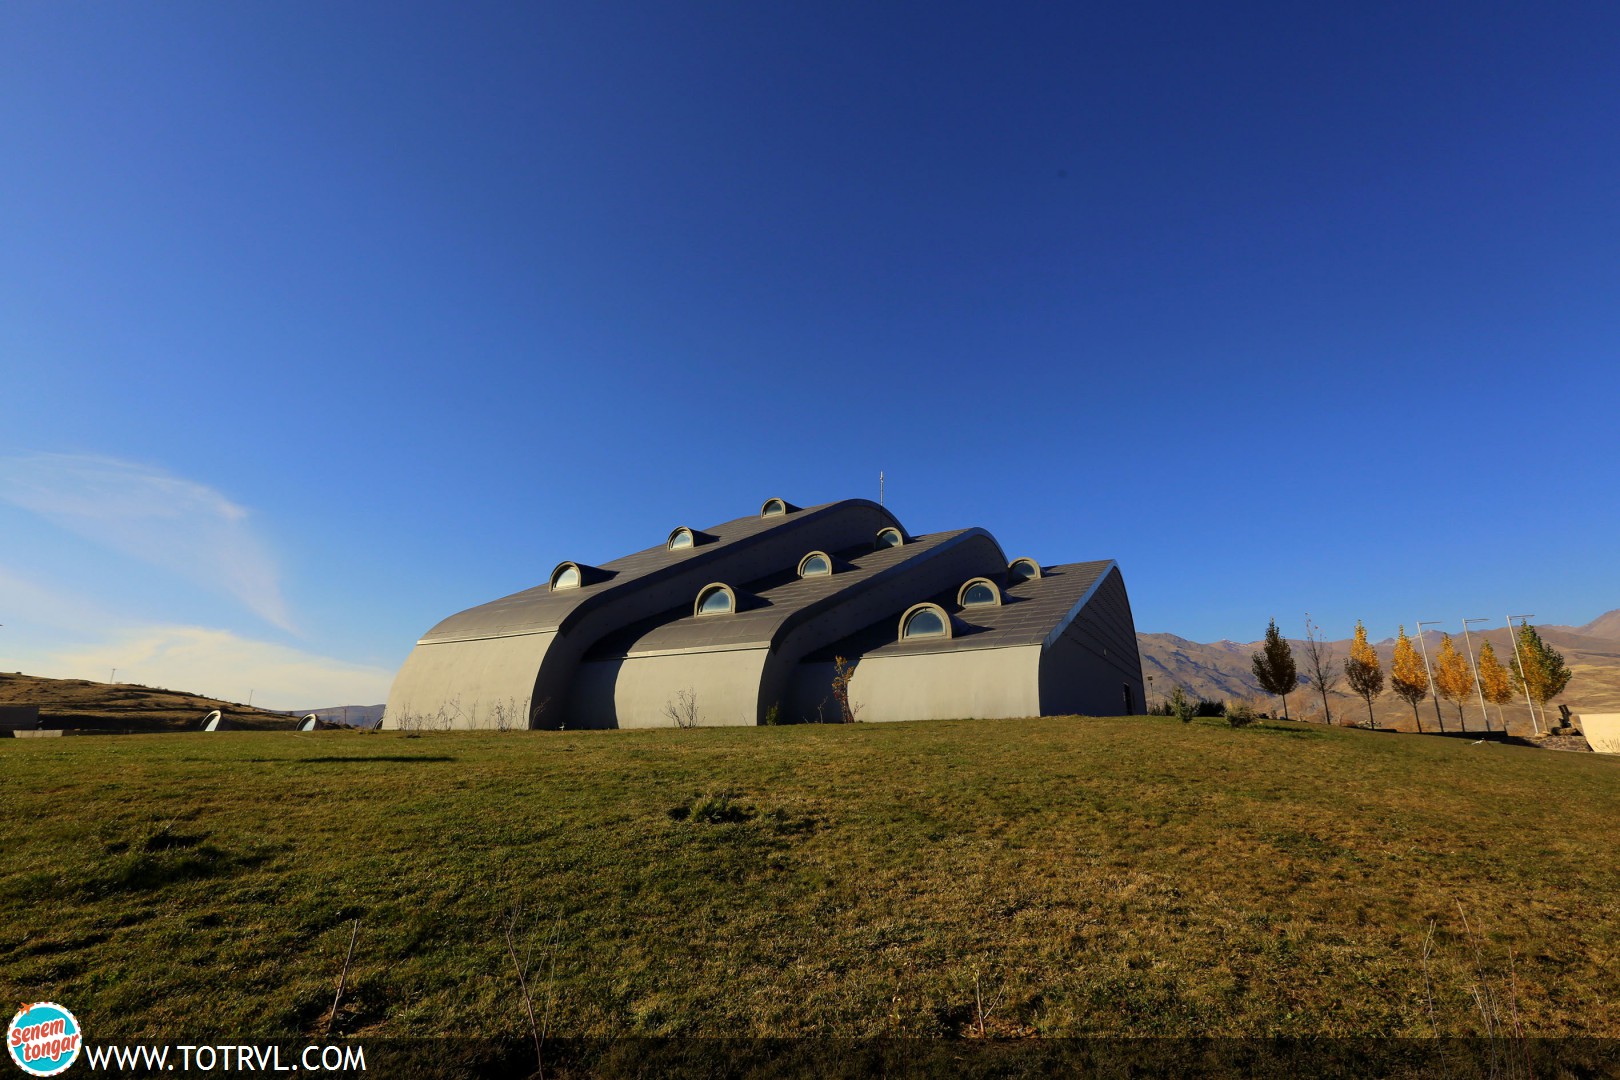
x: 1452, y: 679
x: 1274, y: 666
x: 1545, y: 674
x: 1494, y: 681
x: 1407, y: 677
x: 1319, y: 663
x: 1363, y: 672
x: 843, y: 675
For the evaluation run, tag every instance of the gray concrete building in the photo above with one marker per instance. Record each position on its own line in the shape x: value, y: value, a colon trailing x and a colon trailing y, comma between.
x: 743, y: 621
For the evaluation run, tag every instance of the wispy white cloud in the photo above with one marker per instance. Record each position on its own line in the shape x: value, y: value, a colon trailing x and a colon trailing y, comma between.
x: 166, y: 521
x: 217, y: 663
x: 29, y: 605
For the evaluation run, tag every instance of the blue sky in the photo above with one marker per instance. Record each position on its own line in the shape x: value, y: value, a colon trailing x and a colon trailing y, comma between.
x: 321, y: 322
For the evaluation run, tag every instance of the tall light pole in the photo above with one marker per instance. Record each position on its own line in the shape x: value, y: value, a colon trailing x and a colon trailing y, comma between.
x: 1475, y: 669
x: 1528, y: 699
x: 1432, y: 694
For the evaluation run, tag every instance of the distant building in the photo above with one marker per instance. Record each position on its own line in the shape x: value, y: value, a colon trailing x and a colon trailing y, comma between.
x: 742, y: 621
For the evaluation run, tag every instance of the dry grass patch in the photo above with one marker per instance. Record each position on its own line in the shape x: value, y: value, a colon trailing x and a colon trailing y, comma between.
x: 1056, y: 877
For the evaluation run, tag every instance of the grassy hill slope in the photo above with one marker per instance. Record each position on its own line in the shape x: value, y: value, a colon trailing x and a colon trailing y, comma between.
x: 1054, y: 876
x: 82, y: 705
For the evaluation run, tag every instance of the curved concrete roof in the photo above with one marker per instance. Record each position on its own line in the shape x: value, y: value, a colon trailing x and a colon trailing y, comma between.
x: 1030, y: 613
x: 778, y: 606
x: 539, y: 609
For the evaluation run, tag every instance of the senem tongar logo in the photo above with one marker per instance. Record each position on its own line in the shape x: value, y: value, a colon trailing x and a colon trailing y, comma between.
x: 43, y: 1038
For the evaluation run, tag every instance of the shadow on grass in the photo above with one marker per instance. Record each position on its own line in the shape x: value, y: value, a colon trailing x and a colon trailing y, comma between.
x: 346, y: 759
x: 1293, y: 732
x: 161, y: 857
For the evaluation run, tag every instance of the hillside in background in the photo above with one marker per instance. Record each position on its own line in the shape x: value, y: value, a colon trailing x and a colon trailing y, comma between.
x: 1223, y: 671
x: 81, y: 705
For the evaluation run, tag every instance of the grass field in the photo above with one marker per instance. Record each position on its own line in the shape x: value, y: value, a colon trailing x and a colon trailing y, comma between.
x: 1055, y: 877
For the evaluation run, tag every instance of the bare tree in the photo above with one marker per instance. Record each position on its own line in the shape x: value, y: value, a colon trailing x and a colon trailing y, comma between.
x: 683, y: 710
x: 507, y: 715
x: 843, y: 673
x: 1319, y: 663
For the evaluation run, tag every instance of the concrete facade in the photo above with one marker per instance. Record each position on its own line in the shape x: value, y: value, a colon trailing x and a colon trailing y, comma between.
x: 622, y: 643
x: 1602, y: 731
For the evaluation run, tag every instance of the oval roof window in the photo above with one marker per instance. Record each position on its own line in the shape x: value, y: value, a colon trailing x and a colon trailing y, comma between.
x: 923, y: 622
x: 979, y: 592
x: 815, y: 564
x: 1024, y: 569
x: 716, y: 599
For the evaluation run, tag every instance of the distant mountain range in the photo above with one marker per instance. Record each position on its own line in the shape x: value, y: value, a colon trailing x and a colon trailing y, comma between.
x: 1223, y: 670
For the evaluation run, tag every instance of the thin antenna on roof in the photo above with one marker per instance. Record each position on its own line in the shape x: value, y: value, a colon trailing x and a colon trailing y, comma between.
x: 880, y: 487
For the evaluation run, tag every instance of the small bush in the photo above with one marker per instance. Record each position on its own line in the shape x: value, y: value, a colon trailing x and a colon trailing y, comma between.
x: 1206, y: 707
x: 1182, y: 705
x: 773, y: 715
x: 1239, y: 714
x: 722, y: 808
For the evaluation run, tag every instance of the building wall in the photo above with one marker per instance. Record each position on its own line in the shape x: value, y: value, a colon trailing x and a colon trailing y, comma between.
x: 467, y: 684
x: 1088, y: 667
x: 639, y: 691
x: 989, y: 684
x: 1602, y: 731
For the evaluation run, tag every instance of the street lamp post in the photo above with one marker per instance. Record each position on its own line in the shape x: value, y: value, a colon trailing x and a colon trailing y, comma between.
x: 1432, y: 694
x: 1475, y: 669
x: 1528, y: 699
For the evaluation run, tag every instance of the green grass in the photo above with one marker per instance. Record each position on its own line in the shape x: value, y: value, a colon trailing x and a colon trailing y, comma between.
x: 1056, y: 877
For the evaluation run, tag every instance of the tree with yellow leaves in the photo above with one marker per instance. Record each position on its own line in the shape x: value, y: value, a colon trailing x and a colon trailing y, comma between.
x: 1407, y: 676
x: 1362, y: 670
x: 1494, y: 681
x: 1452, y: 679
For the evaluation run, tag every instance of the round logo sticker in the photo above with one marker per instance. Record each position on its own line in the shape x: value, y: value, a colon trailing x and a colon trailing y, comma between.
x: 43, y: 1038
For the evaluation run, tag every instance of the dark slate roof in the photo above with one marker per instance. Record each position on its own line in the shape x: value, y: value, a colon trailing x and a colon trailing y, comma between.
x: 765, y: 605
x: 541, y: 609
x: 1029, y: 612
